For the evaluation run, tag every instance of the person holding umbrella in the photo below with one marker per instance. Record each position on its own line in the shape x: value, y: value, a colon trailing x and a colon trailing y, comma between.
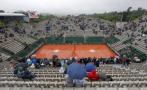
x: 90, y: 67
x: 91, y: 72
x: 94, y: 76
x: 75, y: 74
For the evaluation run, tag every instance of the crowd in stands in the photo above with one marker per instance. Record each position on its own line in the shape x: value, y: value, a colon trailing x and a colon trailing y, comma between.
x: 77, y: 24
x: 62, y: 26
x: 137, y: 30
x: 74, y: 69
x: 13, y: 38
x: 132, y: 34
x: 9, y: 31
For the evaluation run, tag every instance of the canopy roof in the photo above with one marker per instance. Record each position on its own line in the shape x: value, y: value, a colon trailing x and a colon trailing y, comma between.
x: 12, y: 14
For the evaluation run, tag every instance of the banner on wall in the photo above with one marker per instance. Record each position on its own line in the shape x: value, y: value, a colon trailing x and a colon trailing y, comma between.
x: 33, y: 14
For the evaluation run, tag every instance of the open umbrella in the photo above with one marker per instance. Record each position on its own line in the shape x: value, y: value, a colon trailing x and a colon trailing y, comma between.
x: 90, y: 67
x: 76, y: 71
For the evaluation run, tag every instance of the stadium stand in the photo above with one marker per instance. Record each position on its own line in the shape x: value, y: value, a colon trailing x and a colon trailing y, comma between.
x: 23, y: 41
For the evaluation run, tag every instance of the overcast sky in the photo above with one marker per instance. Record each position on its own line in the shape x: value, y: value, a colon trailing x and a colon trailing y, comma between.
x: 71, y: 6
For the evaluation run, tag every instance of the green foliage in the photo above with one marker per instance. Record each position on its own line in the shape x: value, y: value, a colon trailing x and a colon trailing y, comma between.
x: 18, y: 24
x: 2, y: 24
x: 127, y: 15
x: 114, y: 16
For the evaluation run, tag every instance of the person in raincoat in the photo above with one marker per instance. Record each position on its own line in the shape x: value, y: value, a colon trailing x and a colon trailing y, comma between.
x: 91, y: 72
x: 21, y: 71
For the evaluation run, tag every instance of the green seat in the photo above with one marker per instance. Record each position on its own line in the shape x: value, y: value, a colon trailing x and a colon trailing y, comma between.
x: 112, y: 40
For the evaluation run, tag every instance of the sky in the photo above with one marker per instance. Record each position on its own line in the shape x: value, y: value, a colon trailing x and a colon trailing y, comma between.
x: 70, y: 6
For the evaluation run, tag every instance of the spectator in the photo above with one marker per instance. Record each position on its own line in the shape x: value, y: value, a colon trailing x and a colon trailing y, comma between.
x: 104, y: 77
x: 90, y: 67
x: 29, y: 62
x: 26, y: 75
x: 97, y: 63
x: 91, y: 72
x: 20, y: 70
x: 124, y: 60
x: 46, y: 61
x: 75, y: 74
x: 12, y: 67
x: 34, y: 60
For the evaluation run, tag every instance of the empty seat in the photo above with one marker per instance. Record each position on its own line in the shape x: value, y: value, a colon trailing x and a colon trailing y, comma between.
x: 101, y: 88
x: 123, y: 89
x: 25, y: 88
x: 143, y: 88
x: 89, y: 88
x: 4, y: 88
x: 57, y: 88
x: 111, y: 88
x: 14, y: 88
x: 134, y: 89
x: 68, y: 89
x: 49, y: 89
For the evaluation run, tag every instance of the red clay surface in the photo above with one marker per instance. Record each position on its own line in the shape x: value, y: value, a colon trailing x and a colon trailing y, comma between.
x: 79, y: 51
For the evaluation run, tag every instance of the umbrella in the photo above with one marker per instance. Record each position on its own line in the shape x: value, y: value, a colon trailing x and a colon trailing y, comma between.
x: 76, y: 71
x: 90, y: 67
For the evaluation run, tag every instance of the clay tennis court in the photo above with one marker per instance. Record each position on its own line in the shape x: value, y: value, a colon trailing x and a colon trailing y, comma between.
x: 68, y: 50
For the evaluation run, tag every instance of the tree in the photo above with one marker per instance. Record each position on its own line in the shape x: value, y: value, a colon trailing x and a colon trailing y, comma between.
x: 129, y: 9
x: 140, y: 9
